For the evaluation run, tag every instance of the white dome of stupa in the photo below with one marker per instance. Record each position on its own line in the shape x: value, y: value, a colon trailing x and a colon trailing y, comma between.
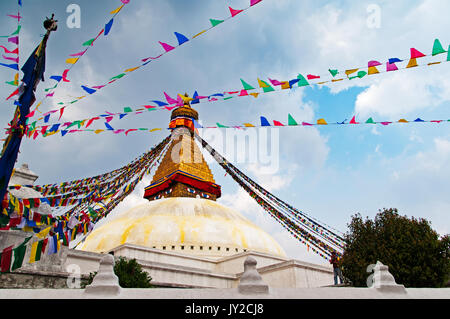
x: 188, y: 225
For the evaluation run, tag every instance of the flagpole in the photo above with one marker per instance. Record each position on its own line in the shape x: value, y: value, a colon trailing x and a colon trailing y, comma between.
x: 33, y: 73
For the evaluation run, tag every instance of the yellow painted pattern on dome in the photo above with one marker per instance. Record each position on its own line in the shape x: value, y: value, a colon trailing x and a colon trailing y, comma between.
x: 181, y: 221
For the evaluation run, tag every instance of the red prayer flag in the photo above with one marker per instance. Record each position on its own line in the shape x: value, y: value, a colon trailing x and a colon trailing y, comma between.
x: 234, y: 12
x: 353, y: 121
x: 6, y: 259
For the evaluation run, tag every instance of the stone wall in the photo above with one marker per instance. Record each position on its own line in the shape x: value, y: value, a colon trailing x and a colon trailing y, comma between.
x: 35, y: 279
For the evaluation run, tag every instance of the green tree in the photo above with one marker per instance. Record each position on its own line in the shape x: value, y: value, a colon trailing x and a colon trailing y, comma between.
x: 413, y: 251
x: 129, y: 272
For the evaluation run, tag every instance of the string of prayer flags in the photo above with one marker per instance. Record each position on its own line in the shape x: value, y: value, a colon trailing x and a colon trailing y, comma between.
x: 322, y: 240
x: 181, y: 39
x: 75, y: 57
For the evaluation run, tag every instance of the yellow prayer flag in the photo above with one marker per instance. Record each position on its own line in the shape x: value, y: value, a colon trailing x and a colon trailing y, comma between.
x: 117, y: 10
x: 72, y: 60
x: 402, y: 121
x: 51, y: 133
x: 132, y: 69
x: 44, y: 233
x: 348, y: 72
x: 155, y: 129
x: 198, y: 34
x: 263, y: 84
x: 185, y: 98
x: 285, y: 85
x: 321, y: 122
x: 255, y: 95
x: 98, y: 131
x: 336, y: 80
x: 433, y: 63
x: 248, y: 125
x: 412, y: 63
x: 372, y: 70
x: 33, y: 252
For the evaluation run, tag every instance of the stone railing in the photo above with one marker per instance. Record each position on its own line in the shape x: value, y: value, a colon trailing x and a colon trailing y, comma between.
x: 251, y: 286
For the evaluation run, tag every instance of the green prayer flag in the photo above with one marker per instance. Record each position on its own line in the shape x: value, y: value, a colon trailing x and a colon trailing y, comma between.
x: 14, y: 83
x: 17, y: 31
x: 291, y: 120
x: 246, y: 85
x: 39, y: 250
x: 118, y: 76
x: 220, y: 125
x: 215, y: 22
x: 227, y: 98
x: 269, y: 89
x: 4, y: 220
x: 370, y: 121
x: 127, y: 109
x: 333, y: 72
x: 361, y: 74
x: 19, y: 255
x: 302, y: 81
x: 89, y: 42
x: 437, y: 48
x: 46, y: 90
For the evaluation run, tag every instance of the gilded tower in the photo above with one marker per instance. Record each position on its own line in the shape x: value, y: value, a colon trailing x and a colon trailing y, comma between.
x: 183, y: 172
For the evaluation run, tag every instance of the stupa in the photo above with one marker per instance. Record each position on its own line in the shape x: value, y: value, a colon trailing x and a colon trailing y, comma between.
x: 182, y: 214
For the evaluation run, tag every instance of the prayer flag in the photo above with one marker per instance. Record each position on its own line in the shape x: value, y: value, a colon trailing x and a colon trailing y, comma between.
x: 353, y: 121
x: 166, y: 46
x: 215, y: 22
x: 312, y: 77
x: 416, y: 54
x: 277, y: 123
x: 117, y: 10
x: 291, y: 120
x: 108, y: 26
x: 253, y: 2
x: 372, y: 70
x: 6, y: 259
x: 412, y: 63
x: 321, y: 122
x: 437, y: 48
x: 373, y: 63
x: 302, y: 81
x: 333, y: 72
x: 391, y: 67
x: 234, y: 12
x: 264, y: 121
x: 89, y: 42
x: 181, y: 38
x: 88, y: 90
x: 246, y: 85
x: 12, y: 66
x: 72, y: 60
x: 19, y: 255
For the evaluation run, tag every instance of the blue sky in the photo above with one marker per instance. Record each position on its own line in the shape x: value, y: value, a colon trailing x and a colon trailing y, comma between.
x: 330, y: 172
